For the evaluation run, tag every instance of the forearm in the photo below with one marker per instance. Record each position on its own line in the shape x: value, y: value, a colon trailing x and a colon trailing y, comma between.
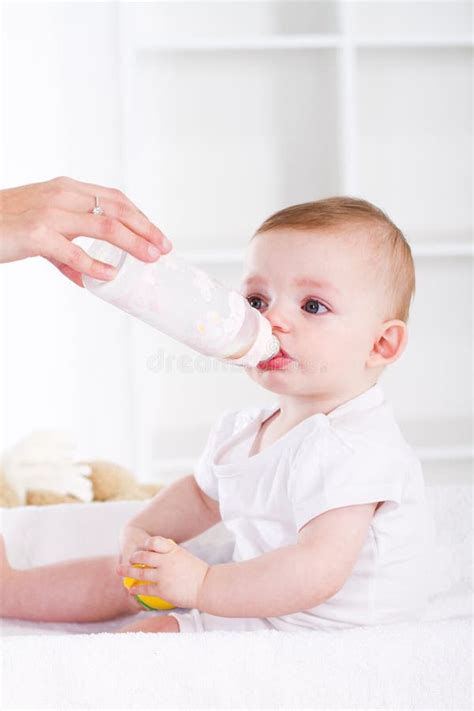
x: 177, y: 511
x: 276, y: 583
x: 8, y: 200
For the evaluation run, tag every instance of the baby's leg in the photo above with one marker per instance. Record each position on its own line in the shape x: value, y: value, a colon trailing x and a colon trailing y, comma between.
x: 82, y: 590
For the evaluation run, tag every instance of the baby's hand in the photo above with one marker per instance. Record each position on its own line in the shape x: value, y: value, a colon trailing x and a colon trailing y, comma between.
x: 132, y: 538
x: 174, y: 574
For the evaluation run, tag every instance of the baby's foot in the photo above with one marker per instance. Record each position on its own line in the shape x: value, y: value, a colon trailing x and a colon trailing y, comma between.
x: 6, y: 572
x: 160, y: 623
x: 5, y: 566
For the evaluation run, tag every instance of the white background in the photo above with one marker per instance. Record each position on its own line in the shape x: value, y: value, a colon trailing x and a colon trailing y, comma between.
x: 211, y: 116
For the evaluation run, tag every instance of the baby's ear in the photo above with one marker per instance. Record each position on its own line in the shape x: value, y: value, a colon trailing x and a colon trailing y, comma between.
x: 390, y: 343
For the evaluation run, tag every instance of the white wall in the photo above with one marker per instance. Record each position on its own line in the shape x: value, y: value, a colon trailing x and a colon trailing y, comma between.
x: 211, y: 144
x: 64, y: 354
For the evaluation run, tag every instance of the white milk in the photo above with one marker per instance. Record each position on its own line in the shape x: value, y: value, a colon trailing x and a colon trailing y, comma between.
x: 187, y: 304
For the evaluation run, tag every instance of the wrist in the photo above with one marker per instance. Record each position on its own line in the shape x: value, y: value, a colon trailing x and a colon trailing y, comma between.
x: 135, y: 527
x: 201, y: 593
x: 133, y: 533
x: 15, y: 239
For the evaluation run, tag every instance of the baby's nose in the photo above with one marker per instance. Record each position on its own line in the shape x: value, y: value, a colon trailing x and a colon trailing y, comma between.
x: 278, y: 319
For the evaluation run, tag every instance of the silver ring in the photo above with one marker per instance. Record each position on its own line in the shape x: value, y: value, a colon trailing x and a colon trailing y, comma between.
x: 97, y: 210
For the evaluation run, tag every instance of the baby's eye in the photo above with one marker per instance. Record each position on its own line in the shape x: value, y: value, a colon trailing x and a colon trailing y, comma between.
x: 315, y: 306
x: 253, y: 298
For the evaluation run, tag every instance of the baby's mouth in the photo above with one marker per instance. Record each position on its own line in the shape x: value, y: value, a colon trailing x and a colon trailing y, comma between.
x: 279, y: 361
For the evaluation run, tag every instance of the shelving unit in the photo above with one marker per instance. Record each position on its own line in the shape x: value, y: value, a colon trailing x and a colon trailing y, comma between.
x: 301, y: 42
x: 233, y: 110
x: 235, y: 256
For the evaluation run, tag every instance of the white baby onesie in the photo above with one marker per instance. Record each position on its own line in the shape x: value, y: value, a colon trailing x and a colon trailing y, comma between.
x: 353, y: 455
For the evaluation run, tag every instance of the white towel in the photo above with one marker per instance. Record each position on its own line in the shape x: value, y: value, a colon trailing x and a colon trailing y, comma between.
x: 400, y: 666
x: 403, y: 666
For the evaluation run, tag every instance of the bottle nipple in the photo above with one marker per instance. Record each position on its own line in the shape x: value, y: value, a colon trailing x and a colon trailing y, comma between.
x: 261, y: 350
x: 273, y: 348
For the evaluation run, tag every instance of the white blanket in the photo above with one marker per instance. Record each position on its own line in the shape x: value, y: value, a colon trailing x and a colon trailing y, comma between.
x: 406, y: 667
x: 417, y: 666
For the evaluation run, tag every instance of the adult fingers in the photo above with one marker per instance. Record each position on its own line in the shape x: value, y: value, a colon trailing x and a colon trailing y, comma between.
x: 68, y: 272
x: 90, y: 190
x: 104, y: 227
x: 56, y: 246
x: 76, y: 196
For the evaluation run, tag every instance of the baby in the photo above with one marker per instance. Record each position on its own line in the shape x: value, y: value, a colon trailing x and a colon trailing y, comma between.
x: 324, y: 496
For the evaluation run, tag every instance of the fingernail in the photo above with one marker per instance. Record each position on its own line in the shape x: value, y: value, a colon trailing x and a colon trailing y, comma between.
x: 166, y: 243
x: 153, y: 251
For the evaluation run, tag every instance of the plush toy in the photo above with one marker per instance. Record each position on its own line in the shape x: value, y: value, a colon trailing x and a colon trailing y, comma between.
x: 41, y: 470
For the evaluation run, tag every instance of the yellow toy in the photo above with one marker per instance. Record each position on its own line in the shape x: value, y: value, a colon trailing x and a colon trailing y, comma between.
x: 149, y: 602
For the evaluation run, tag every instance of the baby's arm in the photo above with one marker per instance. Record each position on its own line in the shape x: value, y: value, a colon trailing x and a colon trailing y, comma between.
x: 179, y: 511
x: 293, y: 578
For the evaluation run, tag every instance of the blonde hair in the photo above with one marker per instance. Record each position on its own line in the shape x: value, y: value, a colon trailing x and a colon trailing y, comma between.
x: 385, y: 240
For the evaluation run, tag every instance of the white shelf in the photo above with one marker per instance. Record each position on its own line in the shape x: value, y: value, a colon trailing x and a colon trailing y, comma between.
x: 303, y: 41
x: 414, y: 42
x: 443, y: 249
x: 244, y: 43
x: 449, y: 454
x: 236, y: 256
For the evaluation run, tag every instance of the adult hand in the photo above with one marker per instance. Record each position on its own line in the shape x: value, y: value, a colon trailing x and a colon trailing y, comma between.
x: 42, y: 219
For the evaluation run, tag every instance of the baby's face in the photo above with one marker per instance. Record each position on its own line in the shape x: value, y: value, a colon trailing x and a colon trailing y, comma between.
x: 329, y: 327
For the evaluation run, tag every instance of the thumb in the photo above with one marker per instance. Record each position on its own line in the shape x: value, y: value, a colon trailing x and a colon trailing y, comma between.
x: 126, y: 554
x: 161, y: 545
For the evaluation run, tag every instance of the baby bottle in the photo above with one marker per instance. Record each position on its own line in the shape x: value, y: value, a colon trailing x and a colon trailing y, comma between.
x: 185, y: 303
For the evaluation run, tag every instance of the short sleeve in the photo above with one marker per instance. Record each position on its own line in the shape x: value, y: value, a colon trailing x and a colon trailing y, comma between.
x: 330, y: 474
x: 203, y: 472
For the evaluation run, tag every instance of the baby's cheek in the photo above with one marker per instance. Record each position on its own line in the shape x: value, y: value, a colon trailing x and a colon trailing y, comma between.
x: 317, y: 352
x: 316, y: 366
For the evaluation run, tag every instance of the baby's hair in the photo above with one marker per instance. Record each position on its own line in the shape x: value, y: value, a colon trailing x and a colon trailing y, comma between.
x: 394, y: 261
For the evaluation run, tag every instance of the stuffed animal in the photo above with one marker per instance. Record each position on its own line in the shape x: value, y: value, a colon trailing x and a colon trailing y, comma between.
x: 41, y: 470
